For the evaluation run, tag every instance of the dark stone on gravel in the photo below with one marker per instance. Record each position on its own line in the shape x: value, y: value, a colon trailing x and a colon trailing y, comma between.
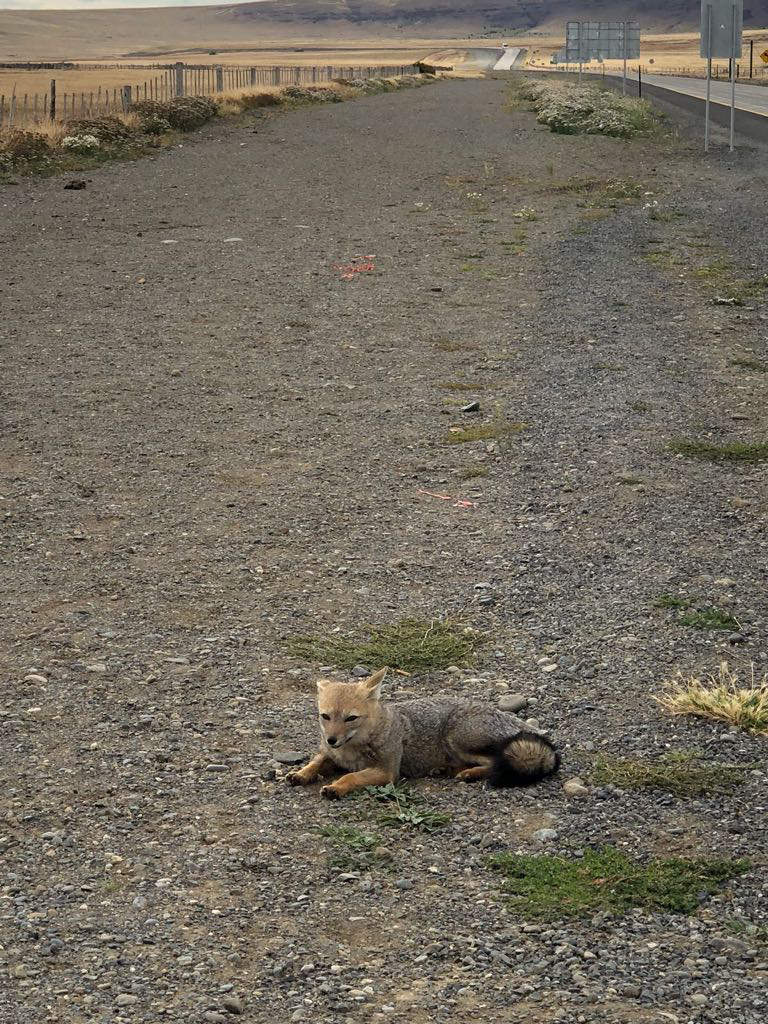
x: 360, y: 671
x: 289, y: 757
x: 77, y: 184
x: 471, y: 407
x: 513, y: 702
x: 232, y: 1005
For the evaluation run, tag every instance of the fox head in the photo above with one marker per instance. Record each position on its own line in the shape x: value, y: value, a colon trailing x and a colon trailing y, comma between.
x: 349, y: 711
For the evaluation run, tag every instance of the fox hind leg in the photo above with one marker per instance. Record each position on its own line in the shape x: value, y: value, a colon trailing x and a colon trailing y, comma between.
x: 475, y: 774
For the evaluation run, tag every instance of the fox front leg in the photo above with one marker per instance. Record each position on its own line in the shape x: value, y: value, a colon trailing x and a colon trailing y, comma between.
x: 357, y: 780
x: 305, y: 776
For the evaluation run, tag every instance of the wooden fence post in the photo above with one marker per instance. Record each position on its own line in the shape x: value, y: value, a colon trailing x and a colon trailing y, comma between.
x: 179, y: 69
x: 276, y: 76
x: 219, y: 78
x: 52, y: 105
x: 126, y: 92
x: 253, y: 76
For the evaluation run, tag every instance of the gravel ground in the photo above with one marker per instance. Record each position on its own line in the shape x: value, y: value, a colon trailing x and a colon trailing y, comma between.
x: 211, y: 446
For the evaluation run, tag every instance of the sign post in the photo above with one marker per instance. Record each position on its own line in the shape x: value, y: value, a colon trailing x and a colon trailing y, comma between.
x: 721, y: 27
x: 586, y: 41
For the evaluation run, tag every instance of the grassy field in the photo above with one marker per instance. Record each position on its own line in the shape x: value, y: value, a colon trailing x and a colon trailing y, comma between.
x: 660, y: 53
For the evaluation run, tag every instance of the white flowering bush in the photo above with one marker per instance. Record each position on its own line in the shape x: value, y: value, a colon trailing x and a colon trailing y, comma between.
x: 586, y: 110
x: 80, y: 143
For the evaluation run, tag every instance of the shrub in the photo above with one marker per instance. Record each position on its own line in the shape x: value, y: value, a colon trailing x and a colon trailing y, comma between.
x: 585, y: 110
x: 254, y: 100
x: 80, y: 143
x: 108, y: 131
x: 325, y: 93
x: 20, y: 145
x: 155, y: 124
x: 301, y: 95
x: 185, y: 113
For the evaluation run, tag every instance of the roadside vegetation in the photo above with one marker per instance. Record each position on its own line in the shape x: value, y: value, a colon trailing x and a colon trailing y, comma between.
x: 572, y: 109
x: 149, y: 125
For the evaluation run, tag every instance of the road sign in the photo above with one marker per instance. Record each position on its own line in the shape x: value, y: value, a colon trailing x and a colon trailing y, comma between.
x: 721, y: 25
x: 611, y: 40
x: 764, y: 56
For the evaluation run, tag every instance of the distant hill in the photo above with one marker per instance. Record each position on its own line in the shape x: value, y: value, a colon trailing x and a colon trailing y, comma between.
x: 102, y: 33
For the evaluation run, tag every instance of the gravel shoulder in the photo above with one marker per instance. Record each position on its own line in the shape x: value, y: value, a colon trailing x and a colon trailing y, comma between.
x: 216, y: 437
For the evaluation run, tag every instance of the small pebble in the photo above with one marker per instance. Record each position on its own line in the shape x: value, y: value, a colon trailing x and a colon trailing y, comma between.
x: 289, y: 757
x: 513, y: 702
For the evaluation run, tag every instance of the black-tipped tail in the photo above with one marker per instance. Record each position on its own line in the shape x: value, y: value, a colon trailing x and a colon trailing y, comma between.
x: 525, y: 759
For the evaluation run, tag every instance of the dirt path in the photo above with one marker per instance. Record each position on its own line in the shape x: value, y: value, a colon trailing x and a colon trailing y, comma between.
x: 210, y: 446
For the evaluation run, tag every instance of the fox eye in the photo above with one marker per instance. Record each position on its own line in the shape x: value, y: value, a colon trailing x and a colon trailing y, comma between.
x: 326, y: 718
x: 351, y: 718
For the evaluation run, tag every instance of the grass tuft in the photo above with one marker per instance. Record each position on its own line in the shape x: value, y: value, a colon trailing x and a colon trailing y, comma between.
x: 682, y: 774
x: 470, y: 472
x: 748, y: 363
x: 445, y: 345
x: 606, y: 879
x: 709, y: 618
x: 481, y: 432
x: 407, y: 808
x: 736, y: 451
x: 352, y: 849
x: 721, y: 697
x: 670, y: 601
x: 457, y: 385
x: 413, y: 645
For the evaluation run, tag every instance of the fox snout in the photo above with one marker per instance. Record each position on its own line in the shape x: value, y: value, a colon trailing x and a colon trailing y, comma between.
x: 333, y: 741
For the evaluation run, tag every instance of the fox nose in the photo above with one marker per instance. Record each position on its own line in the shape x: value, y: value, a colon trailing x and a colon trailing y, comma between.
x: 332, y: 740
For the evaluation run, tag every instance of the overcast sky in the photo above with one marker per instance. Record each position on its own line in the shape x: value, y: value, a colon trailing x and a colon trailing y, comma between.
x: 91, y: 5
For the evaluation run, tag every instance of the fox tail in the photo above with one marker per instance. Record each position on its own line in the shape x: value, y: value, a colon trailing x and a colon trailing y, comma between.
x: 523, y: 760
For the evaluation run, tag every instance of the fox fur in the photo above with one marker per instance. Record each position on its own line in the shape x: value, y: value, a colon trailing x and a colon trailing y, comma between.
x: 376, y: 743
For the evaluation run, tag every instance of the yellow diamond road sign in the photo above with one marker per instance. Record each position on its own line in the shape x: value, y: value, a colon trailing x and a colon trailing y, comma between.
x: 764, y: 56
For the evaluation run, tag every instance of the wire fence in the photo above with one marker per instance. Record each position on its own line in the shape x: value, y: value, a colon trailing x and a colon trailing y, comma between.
x: 25, y: 109
x: 758, y: 76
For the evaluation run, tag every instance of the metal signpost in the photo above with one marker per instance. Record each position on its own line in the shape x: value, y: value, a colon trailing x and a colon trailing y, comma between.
x: 603, y: 40
x: 721, y: 27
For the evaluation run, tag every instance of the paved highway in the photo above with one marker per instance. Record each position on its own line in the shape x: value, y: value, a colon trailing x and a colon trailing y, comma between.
x: 753, y: 98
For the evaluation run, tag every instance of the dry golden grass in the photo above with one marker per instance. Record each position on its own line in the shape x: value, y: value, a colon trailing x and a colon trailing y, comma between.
x: 77, y: 81
x: 723, y: 696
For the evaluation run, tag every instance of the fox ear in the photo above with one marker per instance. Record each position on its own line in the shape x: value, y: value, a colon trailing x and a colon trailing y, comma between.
x: 372, y: 685
x: 322, y: 684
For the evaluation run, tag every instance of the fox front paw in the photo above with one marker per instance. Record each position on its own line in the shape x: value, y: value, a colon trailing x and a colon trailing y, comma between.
x: 330, y: 793
x: 297, y: 778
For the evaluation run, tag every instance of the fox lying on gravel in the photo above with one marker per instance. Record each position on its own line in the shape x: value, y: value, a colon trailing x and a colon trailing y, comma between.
x: 376, y: 743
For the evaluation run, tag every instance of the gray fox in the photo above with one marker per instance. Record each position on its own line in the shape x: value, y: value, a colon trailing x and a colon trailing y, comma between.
x: 376, y: 743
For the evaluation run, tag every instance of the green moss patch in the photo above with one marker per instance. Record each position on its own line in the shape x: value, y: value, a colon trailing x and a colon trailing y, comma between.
x: 608, y: 880
x: 414, y: 645
x: 736, y: 451
x: 682, y: 774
